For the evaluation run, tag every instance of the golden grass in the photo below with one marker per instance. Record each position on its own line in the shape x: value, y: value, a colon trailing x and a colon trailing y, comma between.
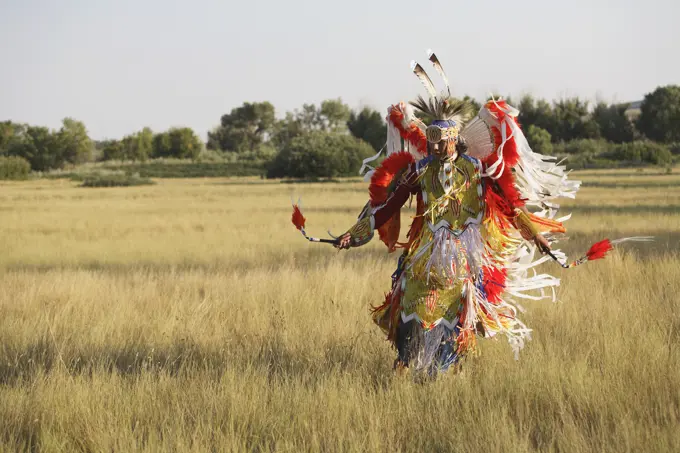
x: 191, y: 316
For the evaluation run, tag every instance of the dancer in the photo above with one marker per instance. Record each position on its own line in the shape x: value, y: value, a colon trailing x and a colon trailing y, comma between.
x: 471, y: 248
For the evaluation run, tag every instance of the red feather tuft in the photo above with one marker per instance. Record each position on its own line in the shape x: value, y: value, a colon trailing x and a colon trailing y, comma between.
x: 413, y: 134
x: 599, y: 250
x: 298, y: 219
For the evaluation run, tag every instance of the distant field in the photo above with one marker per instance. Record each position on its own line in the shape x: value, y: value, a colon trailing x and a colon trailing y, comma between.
x: 191, y: 316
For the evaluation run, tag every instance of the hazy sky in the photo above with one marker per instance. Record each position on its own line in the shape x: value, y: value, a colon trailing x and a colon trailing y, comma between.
x: 121, y: 65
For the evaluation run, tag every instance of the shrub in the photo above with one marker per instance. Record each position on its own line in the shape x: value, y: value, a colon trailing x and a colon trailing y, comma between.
x: 641, y: 152
x: 320, y: 155
x: 211, y: 155
x: 14, y: 167
x: 582, y: 146
x: 588, y: 161
x: 262, y: 153
x: 115, y: 180
x: 539, y: 140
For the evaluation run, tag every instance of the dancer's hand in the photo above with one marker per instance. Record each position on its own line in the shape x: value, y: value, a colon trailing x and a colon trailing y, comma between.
x: 542, y: 244
x: 343, y: 241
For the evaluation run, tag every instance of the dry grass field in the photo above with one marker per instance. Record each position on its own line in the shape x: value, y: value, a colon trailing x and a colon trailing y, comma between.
x: 191, y: 316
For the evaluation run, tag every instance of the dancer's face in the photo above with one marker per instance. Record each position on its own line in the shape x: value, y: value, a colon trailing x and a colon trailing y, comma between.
x: 443, y: 148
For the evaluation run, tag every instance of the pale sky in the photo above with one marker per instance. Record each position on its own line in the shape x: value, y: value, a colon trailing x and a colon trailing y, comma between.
x: 121, y: 65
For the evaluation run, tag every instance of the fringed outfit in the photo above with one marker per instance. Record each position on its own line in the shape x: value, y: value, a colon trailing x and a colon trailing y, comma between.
x: 469, y: 253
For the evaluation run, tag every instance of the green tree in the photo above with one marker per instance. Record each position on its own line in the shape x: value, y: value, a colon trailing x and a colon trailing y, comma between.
x: 74, y: 144
x: 320, y: 154
x: 162, y: 147
x: 369, y: 126
x: 113, y: 150
x: 476, y: 106
x: 7, y: 135
x: 573, y: 121
x: 181, y: 143
x: 539, y: 139
x: 143, y: 144
x: 331, y: 116
x: 244, y: 129
x: 660, y: 114
x: 334, y: 115
x: 45, y: 149
x: 613, y: 123
x: 309, y: 118
x: 536, y: 113
x: 287, y: 129
x: 138, y: 146
x: 39, y: 147
x: 185, y: 143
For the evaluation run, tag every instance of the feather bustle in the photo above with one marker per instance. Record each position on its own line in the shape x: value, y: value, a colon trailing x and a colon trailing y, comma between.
x: 382, y: 184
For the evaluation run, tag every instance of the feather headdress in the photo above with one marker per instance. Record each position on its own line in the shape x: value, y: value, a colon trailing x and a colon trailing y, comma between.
x: 439, y: 107
x: 440, y: 69
x: 424, y: 79
x: 444, y: 108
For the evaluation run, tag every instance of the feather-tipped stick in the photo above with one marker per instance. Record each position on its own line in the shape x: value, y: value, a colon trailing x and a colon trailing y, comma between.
x: 598, y: 250
x: 299, y: 221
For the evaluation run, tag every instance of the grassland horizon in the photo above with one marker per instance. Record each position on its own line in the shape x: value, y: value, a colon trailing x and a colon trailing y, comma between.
x: 191, y: 316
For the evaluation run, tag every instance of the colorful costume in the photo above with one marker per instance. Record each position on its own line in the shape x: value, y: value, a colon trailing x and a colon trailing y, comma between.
x: 470, y: 247
x: 470, y: 251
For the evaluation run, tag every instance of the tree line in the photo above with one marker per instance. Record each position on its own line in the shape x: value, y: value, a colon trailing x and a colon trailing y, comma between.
x: 330, y: 139
x: 46, y: 149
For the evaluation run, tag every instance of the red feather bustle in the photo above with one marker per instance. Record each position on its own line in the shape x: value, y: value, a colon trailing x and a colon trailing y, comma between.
x: 510, y: 154
x: 506, y: 184
x: 385, y: 174
x: 599, y: 250
x: 501, y: 195
x: 505, y: 181
x: 298, y: 219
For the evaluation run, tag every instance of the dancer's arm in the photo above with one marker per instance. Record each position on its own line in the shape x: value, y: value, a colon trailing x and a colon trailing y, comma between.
x: 362, y: 232
x: 517, y: 211
x: 529, y: 230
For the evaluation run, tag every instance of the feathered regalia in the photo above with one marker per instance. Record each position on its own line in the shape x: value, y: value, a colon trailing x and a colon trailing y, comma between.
x: 485, y: 205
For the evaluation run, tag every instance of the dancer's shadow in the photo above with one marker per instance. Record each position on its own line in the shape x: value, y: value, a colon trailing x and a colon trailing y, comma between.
x: 266, y: 356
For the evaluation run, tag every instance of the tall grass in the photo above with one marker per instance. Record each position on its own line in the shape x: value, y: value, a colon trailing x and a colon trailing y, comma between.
x: 191, y: 316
